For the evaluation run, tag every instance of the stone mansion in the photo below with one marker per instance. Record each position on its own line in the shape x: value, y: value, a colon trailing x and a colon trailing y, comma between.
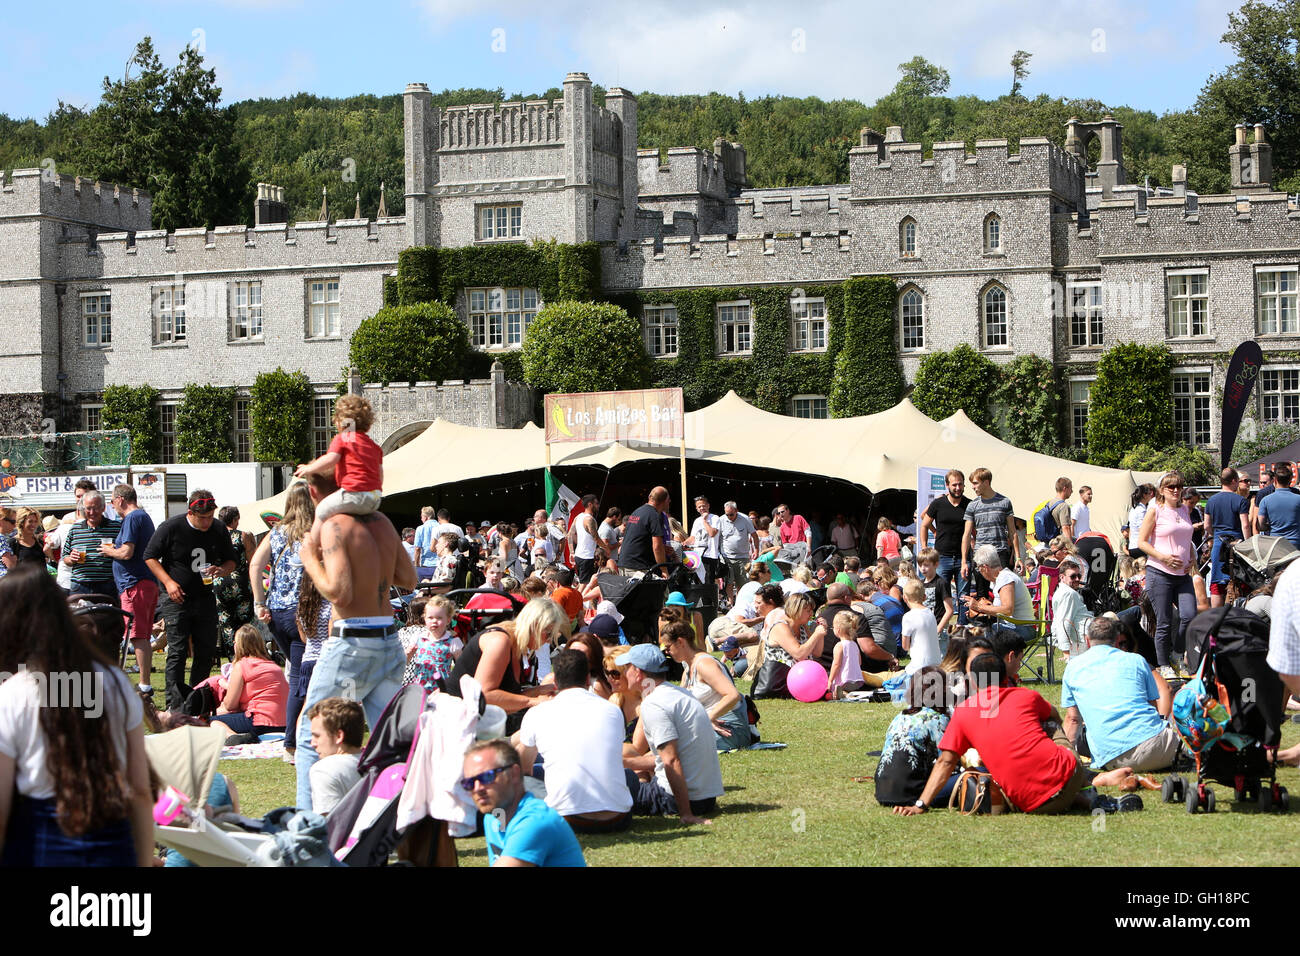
x: 1034, y: 251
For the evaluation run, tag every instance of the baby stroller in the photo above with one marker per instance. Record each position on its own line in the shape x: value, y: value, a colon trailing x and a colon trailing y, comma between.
x: 639, y: 600
x: 1098, y: 591
x: 1256, y: 560
x: 1230, y: 714
x: 470, y: 620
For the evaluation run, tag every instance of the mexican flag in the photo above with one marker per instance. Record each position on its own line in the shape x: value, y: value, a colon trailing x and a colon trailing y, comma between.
x: 562, y: 504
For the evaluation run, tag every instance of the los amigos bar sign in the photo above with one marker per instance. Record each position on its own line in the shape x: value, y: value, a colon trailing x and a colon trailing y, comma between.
x: 648, y: 415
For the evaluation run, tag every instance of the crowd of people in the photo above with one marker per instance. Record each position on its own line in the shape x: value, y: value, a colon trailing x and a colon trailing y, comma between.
x: 333, y: 611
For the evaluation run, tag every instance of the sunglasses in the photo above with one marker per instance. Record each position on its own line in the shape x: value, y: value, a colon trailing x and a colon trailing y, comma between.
x: 1173, y: 487
x: 1073, y: 577
x: 486, y: 778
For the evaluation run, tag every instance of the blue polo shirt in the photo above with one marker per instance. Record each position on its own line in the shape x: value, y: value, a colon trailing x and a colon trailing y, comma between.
x: 1282, y: 512
x: 137, y: 529
x: 536, y: 834
x: 1223, y: 509
x: 1112, y: 690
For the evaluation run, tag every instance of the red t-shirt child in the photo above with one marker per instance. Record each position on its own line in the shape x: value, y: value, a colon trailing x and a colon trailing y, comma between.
x: 1005, y: 724
x: 360, y: 461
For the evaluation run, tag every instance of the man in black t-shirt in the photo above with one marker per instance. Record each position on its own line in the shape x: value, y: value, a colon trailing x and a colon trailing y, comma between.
x: 185, y: 554
x: 875, y: 640
x: 644, y: 544
x: 946, y: 517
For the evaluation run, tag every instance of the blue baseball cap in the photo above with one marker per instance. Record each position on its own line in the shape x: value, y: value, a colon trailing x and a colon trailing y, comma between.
x: 644, y: 657
x: 604, y: 627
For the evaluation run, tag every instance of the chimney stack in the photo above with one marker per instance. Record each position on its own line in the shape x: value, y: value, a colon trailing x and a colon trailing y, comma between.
x: 1252, y: 163
x: 270, y: 206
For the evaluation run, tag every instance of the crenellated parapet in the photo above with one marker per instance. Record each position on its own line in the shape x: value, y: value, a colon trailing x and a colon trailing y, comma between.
x: 49, y: 194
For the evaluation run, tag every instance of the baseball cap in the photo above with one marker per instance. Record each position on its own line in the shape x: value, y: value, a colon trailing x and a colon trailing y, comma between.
x: 644, y: 657
x: 728, y: 644
x: 604, y: 627
x: 679, y: 599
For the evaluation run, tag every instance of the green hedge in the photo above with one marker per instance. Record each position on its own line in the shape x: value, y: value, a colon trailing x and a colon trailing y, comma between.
x: 204, y: 421
x: 1131, y: 402
x: 391, y: 297
x: 868, y: 377
x: 426, y: 342
x: 557, y: 271
x: 1194, y: 464
x: 280, y: 412
x: 136, y: 410
x: 584, y: 347
x: 960, y: 379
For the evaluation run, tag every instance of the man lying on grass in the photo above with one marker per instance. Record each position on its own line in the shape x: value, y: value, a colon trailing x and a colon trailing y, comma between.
x: 1038, y: 774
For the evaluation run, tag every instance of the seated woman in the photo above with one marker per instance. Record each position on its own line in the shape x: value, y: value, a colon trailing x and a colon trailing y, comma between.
x: 257, y: 693
x: 597, y: 681
x: 888, y: 596
x: 626, y: 697
x: 74, y: 790
x: 495, y: 657
x: 711, y: 685
x: 784, y: 622
x: 1010, y: 598
x: 912, y: 741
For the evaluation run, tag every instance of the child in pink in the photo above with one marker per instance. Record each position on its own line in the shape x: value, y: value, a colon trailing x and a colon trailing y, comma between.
x: 354, y: 458
x: 846, y: 661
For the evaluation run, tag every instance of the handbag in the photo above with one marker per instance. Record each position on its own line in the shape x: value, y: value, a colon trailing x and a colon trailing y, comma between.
x: 771, y: 680
x: 977, y: 792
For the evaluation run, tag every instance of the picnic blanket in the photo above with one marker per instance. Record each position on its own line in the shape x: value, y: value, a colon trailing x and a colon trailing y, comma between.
x: 262, y: 750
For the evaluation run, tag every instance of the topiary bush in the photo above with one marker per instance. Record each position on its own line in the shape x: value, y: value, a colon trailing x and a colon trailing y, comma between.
x: 410, y: 343
x: 280, y: 413
x: 134, y: 408
x: 1030, y: 391
x: 960, y: 379
x: 1131, y: 402
x: 868, y: 377
x: 204, y: 420
x: 584, y: 347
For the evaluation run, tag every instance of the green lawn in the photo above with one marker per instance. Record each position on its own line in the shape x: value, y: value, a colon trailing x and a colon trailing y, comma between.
x: 800, y: 806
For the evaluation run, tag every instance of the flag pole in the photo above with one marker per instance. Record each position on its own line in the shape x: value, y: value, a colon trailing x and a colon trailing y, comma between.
x: 685, y: 519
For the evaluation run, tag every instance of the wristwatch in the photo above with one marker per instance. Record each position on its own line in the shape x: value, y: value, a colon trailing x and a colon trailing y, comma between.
x: 921, y: 805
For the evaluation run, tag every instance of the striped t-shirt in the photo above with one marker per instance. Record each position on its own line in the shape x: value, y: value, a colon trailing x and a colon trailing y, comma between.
x: 96, y: 572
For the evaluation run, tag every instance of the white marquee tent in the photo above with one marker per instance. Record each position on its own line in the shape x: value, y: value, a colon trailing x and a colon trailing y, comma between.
x: 875, y: 451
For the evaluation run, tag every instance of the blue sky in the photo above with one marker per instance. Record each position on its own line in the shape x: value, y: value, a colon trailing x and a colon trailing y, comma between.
x: 1149, y: 54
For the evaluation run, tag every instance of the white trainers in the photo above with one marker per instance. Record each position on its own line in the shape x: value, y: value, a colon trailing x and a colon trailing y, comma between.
x: 1167, y: 673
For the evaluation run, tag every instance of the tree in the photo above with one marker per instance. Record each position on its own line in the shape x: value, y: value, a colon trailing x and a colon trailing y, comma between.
x: 1131, y: 402
x: 425, y: 342
x: 1030, y: 393
x: 958, y: 380
x: 1194, y: 465
x: 163, y: 130
x: 1019, y: 69
x: 204, y: 424
x: 922, y: 78
x: 136, y: 410
x: 584, y: 347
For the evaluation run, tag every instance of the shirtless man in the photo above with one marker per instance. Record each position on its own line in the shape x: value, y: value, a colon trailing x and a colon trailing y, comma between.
x: 353, y: 560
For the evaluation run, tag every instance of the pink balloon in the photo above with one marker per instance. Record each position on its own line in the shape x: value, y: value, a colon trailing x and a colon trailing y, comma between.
x: 807, y: 681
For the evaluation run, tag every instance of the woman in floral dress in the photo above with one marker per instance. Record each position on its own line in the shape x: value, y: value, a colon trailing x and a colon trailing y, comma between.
x: 233, y: 591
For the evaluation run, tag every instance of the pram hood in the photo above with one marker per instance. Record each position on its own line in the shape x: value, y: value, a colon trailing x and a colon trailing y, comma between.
x: 186, y: 758
x: 1265, y: 554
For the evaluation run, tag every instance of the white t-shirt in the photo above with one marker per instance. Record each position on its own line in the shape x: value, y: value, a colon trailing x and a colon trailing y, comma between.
x: 669, y: 714
x: 1081, y: 517
x: 586, y: 548
x: 331, y: 779
x: 844, y: 537
x: 1023, y: 609
x: 706, y: 543
x: 107, y: 693
x: 791, y: 586
x: 743, y: 609
x: 580, y: 738
x: 56, y: 537
x: 922, y: 630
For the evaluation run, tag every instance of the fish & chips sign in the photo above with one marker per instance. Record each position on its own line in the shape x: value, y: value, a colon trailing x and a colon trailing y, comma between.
x: 648, y: 415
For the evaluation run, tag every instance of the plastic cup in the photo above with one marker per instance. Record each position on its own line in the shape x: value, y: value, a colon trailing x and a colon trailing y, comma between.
x: 207, y: 577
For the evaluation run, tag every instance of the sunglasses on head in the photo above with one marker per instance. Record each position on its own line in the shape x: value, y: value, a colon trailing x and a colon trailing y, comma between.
x: 486, y: 778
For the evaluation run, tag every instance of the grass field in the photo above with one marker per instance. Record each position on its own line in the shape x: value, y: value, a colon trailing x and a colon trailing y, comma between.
x: 800, y: 807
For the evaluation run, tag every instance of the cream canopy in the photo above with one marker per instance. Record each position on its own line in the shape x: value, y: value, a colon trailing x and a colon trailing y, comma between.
x: 875, y: 451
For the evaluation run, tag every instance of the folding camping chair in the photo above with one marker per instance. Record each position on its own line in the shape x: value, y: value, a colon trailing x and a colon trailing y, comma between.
x: 1041, y: 591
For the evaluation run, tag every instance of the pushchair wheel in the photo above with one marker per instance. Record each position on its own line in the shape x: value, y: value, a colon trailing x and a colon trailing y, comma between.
x: 1193, y: 800
x: 1283, y: 800
x: 1265, y: 799
x: 1169, y: 790
x: 1209, y: 800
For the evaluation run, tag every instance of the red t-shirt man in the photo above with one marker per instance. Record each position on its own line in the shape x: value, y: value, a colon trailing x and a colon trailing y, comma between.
x: 1005, y: 724
x: 794, y: 530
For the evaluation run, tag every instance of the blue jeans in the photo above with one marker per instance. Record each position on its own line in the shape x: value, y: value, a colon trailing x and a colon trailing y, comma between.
x: 299, y: 680
x: 364, y: 669
x: 950, y: 571
x: 1217, y: 573
x: 35, y: 839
